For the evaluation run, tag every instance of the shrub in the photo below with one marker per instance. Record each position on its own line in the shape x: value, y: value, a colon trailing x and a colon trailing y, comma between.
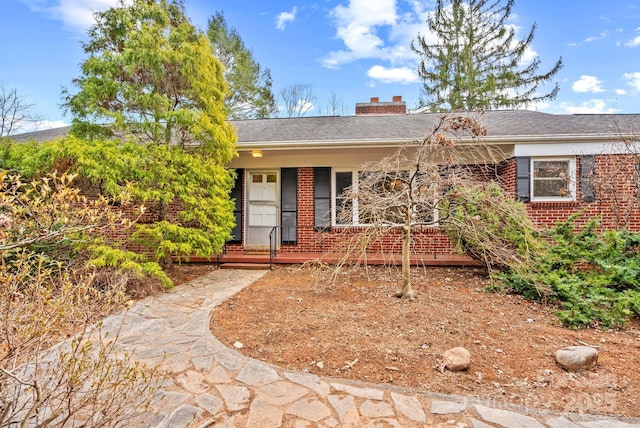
x: 57, y: 278
x: 491, y: 227
x: 592, y: 275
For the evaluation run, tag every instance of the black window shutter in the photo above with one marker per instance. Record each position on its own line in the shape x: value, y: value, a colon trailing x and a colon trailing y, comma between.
x: 236, y: 193
x: 322, y: 198
x: 523, y: 178
x: 289, y: 209
x: 587, y: 172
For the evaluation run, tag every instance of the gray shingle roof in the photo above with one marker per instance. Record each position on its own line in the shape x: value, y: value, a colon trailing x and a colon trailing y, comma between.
x: 503, y: 123
x: 500, y: 124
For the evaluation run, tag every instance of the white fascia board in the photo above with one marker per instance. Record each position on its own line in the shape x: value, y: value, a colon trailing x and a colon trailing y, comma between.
x: 305, y: 145
x: 575, y: 149
x: 341, y: 144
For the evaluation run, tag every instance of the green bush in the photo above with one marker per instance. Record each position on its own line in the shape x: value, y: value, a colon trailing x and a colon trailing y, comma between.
x: 592, y: 275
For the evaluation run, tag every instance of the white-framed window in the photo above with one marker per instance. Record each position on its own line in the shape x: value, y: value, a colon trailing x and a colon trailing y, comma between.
x: 553, y: 179
x: 343, y: 206
x: 347, y: 210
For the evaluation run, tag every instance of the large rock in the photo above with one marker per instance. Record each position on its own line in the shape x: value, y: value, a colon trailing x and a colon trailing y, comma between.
x: 456, y: 359
x: 576, y: 358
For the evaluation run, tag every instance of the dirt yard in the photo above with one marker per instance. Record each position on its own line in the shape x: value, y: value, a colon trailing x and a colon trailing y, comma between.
x: 355, y: 328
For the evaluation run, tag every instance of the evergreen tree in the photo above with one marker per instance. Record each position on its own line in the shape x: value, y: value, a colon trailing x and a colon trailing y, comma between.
x: 250, y: 95
x: 151, y: 80
x: 476, y: 62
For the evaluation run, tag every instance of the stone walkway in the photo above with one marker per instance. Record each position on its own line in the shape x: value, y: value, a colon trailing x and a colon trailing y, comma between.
x: 211, y: 385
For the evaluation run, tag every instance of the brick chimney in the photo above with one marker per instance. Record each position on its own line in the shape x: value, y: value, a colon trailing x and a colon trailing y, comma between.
x: 396, y: 106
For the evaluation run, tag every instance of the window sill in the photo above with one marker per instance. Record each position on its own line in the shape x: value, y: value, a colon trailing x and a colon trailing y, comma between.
x: 554, y: 204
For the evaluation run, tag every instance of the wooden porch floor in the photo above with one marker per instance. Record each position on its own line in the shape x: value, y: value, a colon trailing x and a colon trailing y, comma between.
x: 372, y: 259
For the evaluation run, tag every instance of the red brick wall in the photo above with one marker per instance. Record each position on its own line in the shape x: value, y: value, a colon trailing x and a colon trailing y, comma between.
x: 429, y: 241
x: 396, y: 106
x: 617, y: 201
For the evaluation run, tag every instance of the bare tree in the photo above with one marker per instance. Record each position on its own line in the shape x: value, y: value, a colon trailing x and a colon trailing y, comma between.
x: 297, y: 99
x: 418, y: 186
x: 15, y: 111
x: 614, y: 183
x: 335, y: 105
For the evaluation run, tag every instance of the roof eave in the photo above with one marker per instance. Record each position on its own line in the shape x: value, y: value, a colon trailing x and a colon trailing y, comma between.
x: 390, y: 143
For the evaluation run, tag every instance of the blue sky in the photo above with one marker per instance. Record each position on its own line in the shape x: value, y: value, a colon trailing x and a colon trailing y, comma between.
x: 357, y: 49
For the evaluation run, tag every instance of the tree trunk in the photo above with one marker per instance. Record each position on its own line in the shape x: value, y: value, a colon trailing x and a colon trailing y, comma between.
x: 167, y: 261
x: 407, y: 292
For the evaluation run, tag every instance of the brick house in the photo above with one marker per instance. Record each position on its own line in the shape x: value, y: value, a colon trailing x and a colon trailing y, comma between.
x: 290, y: 172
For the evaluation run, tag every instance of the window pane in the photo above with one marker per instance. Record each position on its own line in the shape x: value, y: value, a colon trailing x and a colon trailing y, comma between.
x: 551, y: 178
x: 344, y: 206
x: 256, y: 178
x: 344, y: 211
x: 548, y: 187
x: 272, y: 178
x: 343, y: 180
x: 550, y: 169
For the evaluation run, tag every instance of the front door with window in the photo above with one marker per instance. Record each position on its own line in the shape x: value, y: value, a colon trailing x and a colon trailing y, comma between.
x: 262, y: 209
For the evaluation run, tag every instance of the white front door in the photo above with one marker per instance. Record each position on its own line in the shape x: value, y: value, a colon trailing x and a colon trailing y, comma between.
x: 262, y: 209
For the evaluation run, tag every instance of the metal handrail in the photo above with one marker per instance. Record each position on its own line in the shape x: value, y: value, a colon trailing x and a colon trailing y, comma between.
x: 273, y: 245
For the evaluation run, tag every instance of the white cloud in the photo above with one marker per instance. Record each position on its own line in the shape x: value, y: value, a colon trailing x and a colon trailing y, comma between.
x: 50, y: 124
x: 633, y: 79
x: 305, y: 107
x: 595, y: 106
x: 76, y: 15
x: 587, y: 84
x: 602, y: 35
x: 635, y: 42
x: 284, y: 17
x: 358, y: 25
x: 41, y: 125
x: 621, y: 92
x: 393, y: 75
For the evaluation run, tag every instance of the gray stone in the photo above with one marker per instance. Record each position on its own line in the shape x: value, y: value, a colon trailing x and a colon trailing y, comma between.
x: 345, y: 406
x: 262, y: 415
x: 170, y: 400
x: 329, y: 422
x: 409, y: 406
x: 182, y: 416
x: 561, y: 422
x: 310, y: 381
x: 174, y: 363
x: 233, y: 421
x: 310, y: 409
x: 576, y: 358
x: 210, y: 403
x: 281, y: 393
x: 383, y: 423
x: 217, y: 375
x: 229, y: 360
x: 478, y: 424
x: 370, y: 393
x: 371, y: 409
x: 608, y: 424
x: 446, y: 407
x: 456, y: 359
x: 507, y: 418
x: 192, y: 382
x: 257, y: 374
x: 235, y: 397
x: 202, y: 363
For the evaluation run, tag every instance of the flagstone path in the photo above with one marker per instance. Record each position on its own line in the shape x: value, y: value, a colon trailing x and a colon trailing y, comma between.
x: 209, y: 384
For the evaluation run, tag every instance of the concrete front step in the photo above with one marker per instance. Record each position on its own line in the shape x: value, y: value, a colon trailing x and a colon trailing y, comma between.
x: 257, y: 266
